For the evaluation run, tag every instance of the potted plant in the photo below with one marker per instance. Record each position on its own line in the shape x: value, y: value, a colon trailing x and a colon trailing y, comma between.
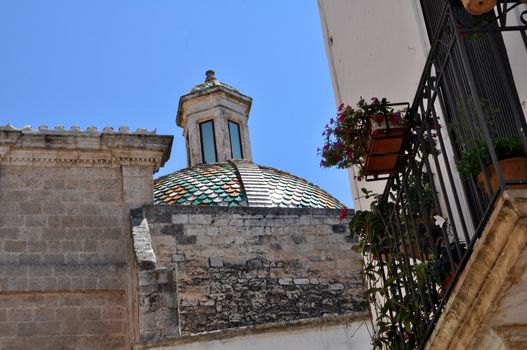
x: 370, y: 136
x: 511, y: 156
x: 478, y: 7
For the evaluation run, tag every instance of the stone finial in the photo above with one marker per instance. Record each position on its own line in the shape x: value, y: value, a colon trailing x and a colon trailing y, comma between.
x: 43, y: 128
x: 8, y: 127
x: 209, y: 75
x: 124, y: 129
x: 75, y: 128
x: 92, y: 129
x: 107, y: 130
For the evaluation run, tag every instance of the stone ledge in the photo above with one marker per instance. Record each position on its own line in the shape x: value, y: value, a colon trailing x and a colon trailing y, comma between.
x: 477, y: 291
x: 285, y: 326
x: 160, y: 210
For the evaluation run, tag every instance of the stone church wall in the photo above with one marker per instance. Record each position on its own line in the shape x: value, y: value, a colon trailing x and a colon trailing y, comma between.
x: 65, y: 252
x: 245, y: 266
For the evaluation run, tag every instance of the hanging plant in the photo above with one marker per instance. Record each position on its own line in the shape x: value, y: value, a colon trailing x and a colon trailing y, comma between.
x: 369, y: 136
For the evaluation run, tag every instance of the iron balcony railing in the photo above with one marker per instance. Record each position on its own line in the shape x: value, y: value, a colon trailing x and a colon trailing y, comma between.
x: 466, y: 104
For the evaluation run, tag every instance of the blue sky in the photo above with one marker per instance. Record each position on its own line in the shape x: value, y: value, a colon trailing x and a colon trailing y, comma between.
x: 127, y: 62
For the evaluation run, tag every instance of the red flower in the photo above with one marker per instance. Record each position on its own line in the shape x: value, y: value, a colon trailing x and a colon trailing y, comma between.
x: 343, y: 213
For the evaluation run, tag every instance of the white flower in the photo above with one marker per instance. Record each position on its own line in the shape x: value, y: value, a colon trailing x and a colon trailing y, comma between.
x: 440, y: 221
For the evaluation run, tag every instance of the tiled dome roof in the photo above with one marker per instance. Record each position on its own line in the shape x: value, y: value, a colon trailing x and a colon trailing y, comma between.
x: 239, y: 183
x: 204, y: 184
x: 291, y: 191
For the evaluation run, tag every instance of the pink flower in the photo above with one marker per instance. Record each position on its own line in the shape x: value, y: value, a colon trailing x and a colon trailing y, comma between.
x: 341, y: 107
x: 395, y: 118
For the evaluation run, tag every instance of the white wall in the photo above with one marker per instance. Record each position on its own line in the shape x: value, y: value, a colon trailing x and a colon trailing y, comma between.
x: 517, y: 53
x: 375, y: 49
x: 353, y: 336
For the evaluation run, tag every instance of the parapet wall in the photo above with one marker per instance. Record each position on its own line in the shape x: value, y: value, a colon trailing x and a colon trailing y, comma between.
x: 242, y: 266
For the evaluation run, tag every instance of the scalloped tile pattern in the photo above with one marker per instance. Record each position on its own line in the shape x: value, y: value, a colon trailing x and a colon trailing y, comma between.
x: 220, y: 184
x: 212, y: 184
x: 290, y: 191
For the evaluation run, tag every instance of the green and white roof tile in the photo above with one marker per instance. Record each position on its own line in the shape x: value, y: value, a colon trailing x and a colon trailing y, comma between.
x: 240, y: 183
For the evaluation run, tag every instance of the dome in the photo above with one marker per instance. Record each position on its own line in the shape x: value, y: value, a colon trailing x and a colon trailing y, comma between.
x: 240, y: 183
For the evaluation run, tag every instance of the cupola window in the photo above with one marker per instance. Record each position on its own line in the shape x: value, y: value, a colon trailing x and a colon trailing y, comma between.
x: 236, y: 143
x: 208, y: 142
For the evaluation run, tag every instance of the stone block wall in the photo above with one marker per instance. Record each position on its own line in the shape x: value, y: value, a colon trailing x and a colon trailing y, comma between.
x: 246, y: 266
x: 62, y: 234
x: 65, y: 251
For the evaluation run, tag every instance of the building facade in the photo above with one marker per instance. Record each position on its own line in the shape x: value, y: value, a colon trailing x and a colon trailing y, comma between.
x: 462, y: 70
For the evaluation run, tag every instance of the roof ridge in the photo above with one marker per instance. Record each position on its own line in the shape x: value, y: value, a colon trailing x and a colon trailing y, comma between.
x: 256, y: 186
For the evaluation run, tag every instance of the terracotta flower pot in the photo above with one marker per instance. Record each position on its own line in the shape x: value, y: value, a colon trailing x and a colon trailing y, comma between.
x: 512, y: 169
x: 478, y: 7
x: 384, y: 147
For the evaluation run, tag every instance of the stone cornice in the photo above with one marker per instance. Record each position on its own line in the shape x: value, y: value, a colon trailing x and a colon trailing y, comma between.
x: 90, y: 148
x: 241, y: 98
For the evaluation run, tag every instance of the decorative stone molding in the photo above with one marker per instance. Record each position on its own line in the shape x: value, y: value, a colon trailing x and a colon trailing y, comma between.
x: 45, y: 147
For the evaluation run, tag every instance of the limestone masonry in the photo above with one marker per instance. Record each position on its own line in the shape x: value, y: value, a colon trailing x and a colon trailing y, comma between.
x: 235, y: 267
x: 66, y: 265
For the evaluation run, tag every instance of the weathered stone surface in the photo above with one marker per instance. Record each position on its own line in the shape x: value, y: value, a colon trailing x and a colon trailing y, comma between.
x: 216, y: 261
x: 142, y: 244
x: 265, y: 265
x: 158, y: 304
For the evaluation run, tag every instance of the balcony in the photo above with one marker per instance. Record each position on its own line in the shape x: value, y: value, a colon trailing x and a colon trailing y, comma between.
x: 449, y: 270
